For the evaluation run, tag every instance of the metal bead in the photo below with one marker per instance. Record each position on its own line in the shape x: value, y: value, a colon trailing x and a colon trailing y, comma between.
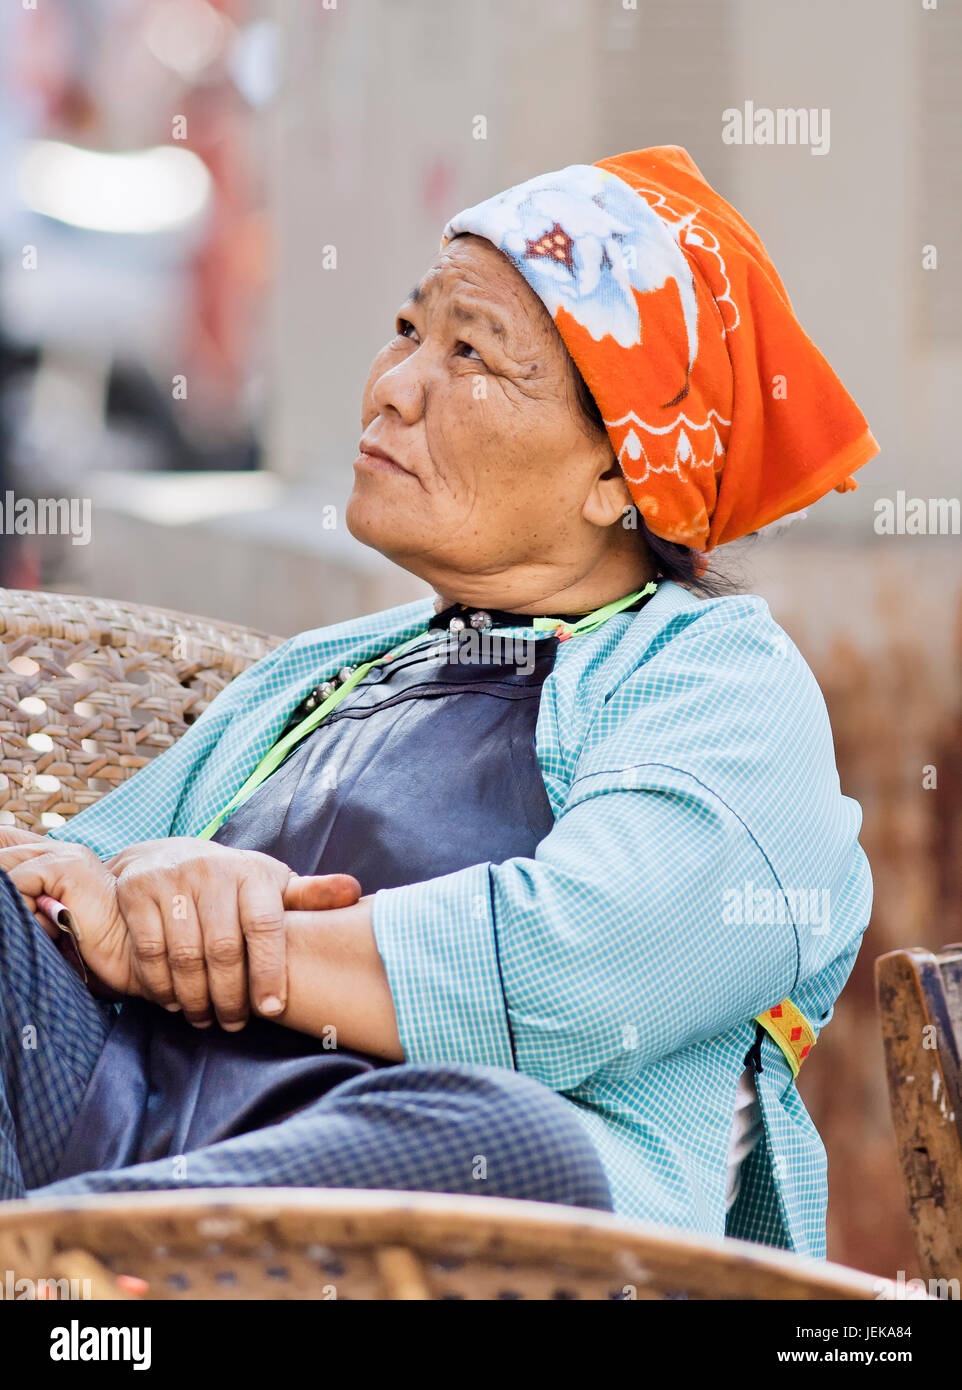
x: 310, y: 702
x: 325, y: 689
x: 345, y: 673
x: 480, y: 619
x: 456, y: 625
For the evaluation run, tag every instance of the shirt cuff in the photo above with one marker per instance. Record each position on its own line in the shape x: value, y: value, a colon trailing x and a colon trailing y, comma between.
x: 438, y: 942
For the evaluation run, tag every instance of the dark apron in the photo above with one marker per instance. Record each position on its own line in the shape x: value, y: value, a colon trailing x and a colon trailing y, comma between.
x: 428, y: 766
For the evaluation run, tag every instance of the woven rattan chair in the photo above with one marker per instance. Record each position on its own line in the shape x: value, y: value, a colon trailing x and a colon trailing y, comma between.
x: 90, y: 690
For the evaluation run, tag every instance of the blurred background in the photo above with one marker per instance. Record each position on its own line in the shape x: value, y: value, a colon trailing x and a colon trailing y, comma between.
x: 210, y: 210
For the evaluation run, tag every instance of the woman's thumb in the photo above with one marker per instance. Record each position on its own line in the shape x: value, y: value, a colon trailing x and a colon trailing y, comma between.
x: 314, y: 892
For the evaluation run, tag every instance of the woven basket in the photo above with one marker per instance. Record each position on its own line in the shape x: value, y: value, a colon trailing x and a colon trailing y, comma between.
x: 296, y: 1244
x: 91, y: 689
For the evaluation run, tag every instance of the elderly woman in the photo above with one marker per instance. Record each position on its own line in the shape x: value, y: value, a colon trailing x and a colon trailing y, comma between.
x: 543, y: 889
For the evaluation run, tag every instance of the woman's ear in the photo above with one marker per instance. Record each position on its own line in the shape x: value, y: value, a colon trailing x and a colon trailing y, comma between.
x: 609, y: 495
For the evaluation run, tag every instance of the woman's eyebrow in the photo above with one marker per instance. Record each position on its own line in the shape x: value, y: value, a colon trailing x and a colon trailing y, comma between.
x: 413, y: 296
x: 464, y: 314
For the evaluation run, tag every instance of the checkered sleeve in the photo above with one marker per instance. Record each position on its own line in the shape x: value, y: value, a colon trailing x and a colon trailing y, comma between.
x: 609, y: 949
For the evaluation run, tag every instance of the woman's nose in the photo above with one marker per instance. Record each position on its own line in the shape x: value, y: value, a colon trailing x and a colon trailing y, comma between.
x: 401, y: 388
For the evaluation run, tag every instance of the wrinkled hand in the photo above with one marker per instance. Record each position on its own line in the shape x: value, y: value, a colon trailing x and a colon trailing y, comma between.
x: 88, y: 890
x: 182, y: 922
x: 205, y: 925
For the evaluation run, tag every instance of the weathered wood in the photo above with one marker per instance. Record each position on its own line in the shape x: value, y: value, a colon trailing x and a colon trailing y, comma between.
x: 920, y: 1005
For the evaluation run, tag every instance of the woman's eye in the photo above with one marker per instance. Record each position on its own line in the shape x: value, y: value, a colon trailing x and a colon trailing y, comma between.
x: 465, y: 350
x: 406, y: 329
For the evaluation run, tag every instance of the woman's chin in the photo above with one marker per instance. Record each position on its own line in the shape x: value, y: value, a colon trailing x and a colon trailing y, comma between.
x: 360, y: 516
x: 374, y: 522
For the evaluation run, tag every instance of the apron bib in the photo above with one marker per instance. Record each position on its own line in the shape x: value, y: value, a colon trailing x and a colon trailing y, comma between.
x: 429, y: 766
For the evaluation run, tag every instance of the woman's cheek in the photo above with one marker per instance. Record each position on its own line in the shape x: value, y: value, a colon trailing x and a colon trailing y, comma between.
x: 479, y: 404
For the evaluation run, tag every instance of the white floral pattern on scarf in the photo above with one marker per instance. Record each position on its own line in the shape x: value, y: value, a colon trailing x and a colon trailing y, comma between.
x: 583, y: 240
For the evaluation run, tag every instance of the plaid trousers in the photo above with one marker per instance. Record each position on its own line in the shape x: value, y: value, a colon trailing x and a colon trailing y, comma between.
x: 424, y: 1127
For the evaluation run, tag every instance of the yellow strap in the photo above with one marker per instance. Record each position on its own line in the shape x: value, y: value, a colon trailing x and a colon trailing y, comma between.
x: 786, y: 1026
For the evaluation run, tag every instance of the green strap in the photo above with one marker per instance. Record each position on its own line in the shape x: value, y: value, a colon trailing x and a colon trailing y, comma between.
x: 273, y: 759
x: 592, y: 620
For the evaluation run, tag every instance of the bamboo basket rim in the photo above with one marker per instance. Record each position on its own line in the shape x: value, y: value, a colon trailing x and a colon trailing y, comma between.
x: 494, y: 1226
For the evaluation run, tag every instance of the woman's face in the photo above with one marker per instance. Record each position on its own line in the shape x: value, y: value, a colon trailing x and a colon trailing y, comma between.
x: 499, y: 491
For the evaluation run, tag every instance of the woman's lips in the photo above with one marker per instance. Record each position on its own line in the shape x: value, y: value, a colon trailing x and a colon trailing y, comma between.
x: 379, y: 463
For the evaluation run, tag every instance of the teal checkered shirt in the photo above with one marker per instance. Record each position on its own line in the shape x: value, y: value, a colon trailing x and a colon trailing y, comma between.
x: 703, y: 865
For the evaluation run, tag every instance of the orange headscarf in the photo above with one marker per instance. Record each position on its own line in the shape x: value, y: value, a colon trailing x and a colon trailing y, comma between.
x: 722, y: 412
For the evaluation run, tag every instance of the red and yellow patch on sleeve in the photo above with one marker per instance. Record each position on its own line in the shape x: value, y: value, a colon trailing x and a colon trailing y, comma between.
x: 791, y: 1030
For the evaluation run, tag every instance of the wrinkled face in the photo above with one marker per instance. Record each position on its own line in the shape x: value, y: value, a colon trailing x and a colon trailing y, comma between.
x: 492, y: 464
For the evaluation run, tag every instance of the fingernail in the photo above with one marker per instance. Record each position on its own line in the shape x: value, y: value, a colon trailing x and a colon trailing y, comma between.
x: 271, y: 1005
x: 232, y: 1027
x: 172, y: 1008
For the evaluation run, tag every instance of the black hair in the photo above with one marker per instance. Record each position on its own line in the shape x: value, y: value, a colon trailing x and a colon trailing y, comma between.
x: 672, y: 561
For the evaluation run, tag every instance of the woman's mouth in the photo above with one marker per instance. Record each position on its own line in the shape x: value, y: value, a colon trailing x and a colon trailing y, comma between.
x: 377, y: 460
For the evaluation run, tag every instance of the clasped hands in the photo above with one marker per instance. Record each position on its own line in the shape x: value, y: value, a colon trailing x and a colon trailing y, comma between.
x: 185, y: 923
